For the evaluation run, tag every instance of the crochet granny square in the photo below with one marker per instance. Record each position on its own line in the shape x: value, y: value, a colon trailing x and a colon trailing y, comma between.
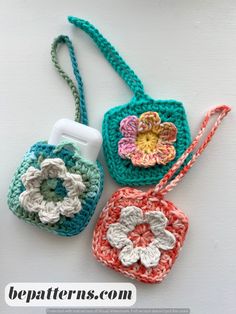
x: 143, y: 138
x: 56, y: 189
x: 139, y: 234
x: 139, y: 157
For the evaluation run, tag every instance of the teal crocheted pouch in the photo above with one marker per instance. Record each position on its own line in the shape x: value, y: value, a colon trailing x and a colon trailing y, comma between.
x: 56, y: 188
x: 143, y: 138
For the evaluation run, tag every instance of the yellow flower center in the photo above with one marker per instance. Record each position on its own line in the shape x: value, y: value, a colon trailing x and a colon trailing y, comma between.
x: 147, y: 141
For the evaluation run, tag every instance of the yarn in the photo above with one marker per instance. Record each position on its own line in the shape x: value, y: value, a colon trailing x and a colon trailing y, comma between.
x: 136, y: 171
x: 50, y: 210
x: 123, y: 170
x: 77, y: 92
x: 140, y: 234
x: 89, y: 185
x: 55, y: 188
x: 146, y: 140
x: 131, y: 234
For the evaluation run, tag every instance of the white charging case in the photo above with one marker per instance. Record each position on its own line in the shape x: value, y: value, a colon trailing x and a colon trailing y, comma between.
x: 88, y: 139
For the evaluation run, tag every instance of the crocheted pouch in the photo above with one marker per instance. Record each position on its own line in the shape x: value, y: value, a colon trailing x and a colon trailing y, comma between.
x: 144, y: 138
x: 141, y: 233
x: 55, y: 187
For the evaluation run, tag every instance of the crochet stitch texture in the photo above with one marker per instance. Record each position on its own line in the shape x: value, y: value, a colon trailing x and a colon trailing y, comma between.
x: 155, y: 263
x: 140, y: 234
x: 55, y: 188
x: 53, y: 200
x: 91, y: 177
x: 122, y: 170
x: 147, y: 141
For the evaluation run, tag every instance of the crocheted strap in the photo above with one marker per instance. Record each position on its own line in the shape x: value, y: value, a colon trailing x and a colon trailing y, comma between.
x: 112, y: 56
x: 78, y: 93
x: 166, y: 185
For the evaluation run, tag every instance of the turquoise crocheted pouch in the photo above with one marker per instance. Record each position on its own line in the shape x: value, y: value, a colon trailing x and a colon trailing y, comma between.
x: 55, y: 187
x: 143, y: 138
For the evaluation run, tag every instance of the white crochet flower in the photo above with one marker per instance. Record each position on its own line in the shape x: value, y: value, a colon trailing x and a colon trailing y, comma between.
x: 49, y: 211
x: 140, y: 235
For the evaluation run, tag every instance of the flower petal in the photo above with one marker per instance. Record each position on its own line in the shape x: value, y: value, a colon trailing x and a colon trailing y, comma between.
x: 142, y: 159
x: 148, y: 120
x: 150, y: 255
x: 129, y: 126
x: 69, y: 206
x: 129, y: 255
x: 165, y: 153
x: 167, y: 132
x: 126, y: 146
x: 49, y: 213
x: 32, y: 178
x: 31, y: 200
x: 157, y: 220
x: 53, y: 167
x: 165, y: 240
x: 73, y: 184
x: 117, y: 235
x: 131, y: 216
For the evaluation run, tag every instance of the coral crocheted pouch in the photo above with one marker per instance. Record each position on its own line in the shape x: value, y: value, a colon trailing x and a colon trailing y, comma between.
x: 56, y: 188
x: 140, y: 234
x: 143, y: 138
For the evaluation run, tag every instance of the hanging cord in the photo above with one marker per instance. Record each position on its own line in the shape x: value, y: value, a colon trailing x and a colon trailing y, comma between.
x: 112, y: 56
x: 165, y: 185
x: 78, y: 93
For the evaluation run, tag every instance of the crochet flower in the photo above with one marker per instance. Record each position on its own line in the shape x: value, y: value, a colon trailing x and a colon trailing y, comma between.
x: 140, y: 236
x: 41, y: 186
x: 146, y: 140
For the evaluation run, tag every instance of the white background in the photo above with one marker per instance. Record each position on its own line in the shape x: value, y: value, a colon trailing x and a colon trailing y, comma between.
x: 181, y: 49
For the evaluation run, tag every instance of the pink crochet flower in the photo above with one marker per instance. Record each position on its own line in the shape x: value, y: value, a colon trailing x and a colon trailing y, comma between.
x: 146, y: 140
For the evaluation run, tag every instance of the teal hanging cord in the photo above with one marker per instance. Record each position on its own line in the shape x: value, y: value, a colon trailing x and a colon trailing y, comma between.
x: 78, y: 93
x: 112, y: 56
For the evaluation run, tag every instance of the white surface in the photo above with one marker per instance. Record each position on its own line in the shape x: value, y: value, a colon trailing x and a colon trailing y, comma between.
x: 181, y: 49
x: 89, y: 140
